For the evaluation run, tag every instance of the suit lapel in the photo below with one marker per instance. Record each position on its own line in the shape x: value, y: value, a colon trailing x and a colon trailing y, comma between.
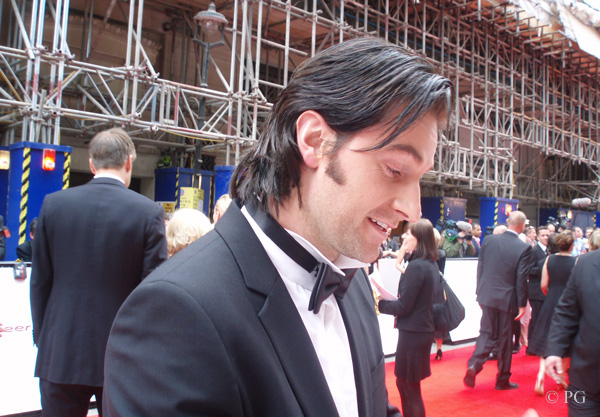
x: 296, y: 353
x: 279, y: 316
x: 352, y: 321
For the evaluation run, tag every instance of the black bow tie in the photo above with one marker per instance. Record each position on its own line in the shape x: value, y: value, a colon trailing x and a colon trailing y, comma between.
x: 328, y: 282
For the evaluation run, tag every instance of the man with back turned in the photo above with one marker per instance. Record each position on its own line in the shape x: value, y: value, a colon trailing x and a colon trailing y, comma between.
x: 271, y: 313
x: 502, y: 272
x: 93, y: 245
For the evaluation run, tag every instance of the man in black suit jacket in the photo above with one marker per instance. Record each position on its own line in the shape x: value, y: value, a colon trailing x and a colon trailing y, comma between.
x: 93, y: 245
x: 575, y: 332
x: 25, y: 249
x: 536, y: 296
x: 238, y: 323
x: 502, y: 272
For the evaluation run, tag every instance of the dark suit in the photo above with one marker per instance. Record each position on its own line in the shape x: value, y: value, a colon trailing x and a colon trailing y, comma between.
x: 24, y: 252
x: 575, y: 331
x: 502, y: 272
x: 214, y: 331
x: 536, y: 296
x: 93, y: 245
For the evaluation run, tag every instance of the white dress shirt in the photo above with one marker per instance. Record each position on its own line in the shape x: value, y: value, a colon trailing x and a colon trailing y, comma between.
x: 542, y: 246
x: 326, y: 329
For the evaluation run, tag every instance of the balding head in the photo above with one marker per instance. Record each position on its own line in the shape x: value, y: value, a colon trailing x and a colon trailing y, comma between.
x: 516, y: 221
x: 498, y: 230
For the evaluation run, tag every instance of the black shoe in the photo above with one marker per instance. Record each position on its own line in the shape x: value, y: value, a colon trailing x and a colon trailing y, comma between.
x: 507, y: 386
x: 438, y: 355
x: 469, y: 379
x: 516, y: 350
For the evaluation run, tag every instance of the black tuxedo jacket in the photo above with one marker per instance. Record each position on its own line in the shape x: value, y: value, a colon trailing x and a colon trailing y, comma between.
x: 93, y: 245
x: 502, y: 272
x: 575, y: 326
x: 214, y: 332
x: 538, y: 257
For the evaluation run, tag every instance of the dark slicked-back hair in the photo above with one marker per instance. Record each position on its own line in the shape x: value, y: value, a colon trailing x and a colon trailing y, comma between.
x: 354, y: 85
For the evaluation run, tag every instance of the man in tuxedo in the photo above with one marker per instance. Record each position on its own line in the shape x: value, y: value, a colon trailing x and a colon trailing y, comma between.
x: 502, y: 272
x: 574, y: 332
x: 93, y: 245
x: 536, y: 296
x: 271, y: 314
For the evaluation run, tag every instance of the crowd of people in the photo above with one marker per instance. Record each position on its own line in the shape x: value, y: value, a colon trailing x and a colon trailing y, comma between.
x: 271, y: 312
x: 522, y: 273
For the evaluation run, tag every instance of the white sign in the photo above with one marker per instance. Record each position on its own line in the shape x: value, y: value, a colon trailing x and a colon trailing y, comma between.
x: 19, y: 390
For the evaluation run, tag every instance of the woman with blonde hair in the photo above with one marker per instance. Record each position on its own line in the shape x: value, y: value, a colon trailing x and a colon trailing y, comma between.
x: 186, y: 226
x: 594, y: 240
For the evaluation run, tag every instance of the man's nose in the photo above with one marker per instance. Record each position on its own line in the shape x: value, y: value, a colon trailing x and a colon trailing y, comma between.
x: 408, y: 202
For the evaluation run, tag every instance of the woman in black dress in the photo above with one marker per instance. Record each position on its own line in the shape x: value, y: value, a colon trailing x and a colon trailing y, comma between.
x: 414, y: 315
x: 555, y: 275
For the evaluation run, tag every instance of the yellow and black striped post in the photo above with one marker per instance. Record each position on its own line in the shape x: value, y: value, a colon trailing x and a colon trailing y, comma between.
x: 66, y: 170
x: 24, y: 194
x: 496, y: 212
x: 176, y: 187
x: 442, y: 209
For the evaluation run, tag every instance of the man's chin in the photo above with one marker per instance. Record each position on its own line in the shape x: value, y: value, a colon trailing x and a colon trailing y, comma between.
x: 368, y: 256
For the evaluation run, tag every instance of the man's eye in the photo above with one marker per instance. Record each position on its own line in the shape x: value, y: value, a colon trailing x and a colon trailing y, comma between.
x: 393, y: 172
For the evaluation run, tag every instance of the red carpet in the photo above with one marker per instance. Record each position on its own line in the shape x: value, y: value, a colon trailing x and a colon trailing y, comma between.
x: 445, y: 395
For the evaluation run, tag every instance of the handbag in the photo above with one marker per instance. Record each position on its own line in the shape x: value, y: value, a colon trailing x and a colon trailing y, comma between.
x: 449, y: 314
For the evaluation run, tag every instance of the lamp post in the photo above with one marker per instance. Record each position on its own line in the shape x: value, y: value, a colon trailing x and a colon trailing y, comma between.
x: 209, y: 25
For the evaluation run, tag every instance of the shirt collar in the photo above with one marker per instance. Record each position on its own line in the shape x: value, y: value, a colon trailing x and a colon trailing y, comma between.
x: 342, y: 262
x: 106, y: 175
x: 542, y: 246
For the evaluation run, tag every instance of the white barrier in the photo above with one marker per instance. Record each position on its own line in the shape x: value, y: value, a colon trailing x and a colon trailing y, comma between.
x: 19, y: 390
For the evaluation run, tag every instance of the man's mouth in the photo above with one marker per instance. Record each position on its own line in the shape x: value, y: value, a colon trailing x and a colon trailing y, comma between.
x: 383, y: 226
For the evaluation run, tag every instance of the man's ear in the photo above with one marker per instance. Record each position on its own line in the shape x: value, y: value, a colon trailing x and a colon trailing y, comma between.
x: 312, y: 132
x: 92, y: 167
x: 129, y: 163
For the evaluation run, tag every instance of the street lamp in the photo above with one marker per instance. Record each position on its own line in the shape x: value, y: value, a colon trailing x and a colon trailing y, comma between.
x: 209, y: 23
x: 210, y: 20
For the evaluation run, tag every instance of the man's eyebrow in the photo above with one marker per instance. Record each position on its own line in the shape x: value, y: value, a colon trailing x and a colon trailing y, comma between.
x: 404, y: 147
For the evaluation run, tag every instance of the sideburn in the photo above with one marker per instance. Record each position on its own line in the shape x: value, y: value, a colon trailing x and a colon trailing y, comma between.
x: 334, y: 170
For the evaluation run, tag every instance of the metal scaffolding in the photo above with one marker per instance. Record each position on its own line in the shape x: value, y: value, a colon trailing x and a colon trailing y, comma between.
x: 526, y: 120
